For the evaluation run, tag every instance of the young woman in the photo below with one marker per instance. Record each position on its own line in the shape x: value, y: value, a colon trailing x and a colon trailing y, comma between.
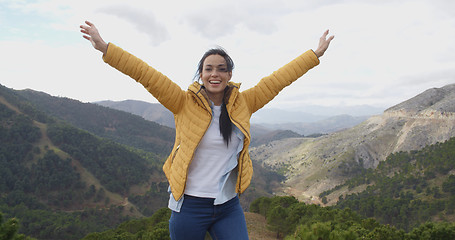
x: 209, y: 165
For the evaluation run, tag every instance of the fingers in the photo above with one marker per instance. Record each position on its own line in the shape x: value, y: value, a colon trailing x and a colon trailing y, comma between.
x: 84, y: 29
x: 87, y: 27
x: 324, y: 35
x: 91, y: 33
x: 85, y: 32
x: 324, y: 43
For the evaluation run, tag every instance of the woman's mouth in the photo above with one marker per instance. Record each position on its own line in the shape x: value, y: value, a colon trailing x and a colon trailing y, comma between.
x: 215, y: 82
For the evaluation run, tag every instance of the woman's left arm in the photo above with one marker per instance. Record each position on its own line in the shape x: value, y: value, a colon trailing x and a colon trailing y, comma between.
x: 259, y: 95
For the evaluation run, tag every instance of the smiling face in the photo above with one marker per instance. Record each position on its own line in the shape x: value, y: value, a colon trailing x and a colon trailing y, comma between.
x: 215, y: 77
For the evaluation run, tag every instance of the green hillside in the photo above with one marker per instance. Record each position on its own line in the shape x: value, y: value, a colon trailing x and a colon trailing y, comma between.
x: 406, y: 190
x: 293, y: 220
x: 60, y: 182
x: 411, y: 195
x: 119, y: 126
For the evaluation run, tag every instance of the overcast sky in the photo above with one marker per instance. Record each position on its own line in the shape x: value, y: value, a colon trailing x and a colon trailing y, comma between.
x: 384, y: 51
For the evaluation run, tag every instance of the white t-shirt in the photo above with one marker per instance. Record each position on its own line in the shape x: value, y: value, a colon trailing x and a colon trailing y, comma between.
x: 210, y: 161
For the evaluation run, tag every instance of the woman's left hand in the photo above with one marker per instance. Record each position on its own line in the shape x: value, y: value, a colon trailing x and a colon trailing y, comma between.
x: 323, y: 44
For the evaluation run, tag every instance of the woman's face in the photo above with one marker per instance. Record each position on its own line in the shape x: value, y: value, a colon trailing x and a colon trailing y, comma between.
x: 215, y: 77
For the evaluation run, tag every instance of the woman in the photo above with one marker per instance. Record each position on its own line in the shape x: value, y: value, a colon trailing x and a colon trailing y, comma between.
x: 209, y: 165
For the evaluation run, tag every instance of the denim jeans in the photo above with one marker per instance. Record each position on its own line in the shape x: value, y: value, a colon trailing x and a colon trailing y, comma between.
x: 199, y: 216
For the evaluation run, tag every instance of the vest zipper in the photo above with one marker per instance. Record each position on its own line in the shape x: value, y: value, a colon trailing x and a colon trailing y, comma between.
x: 175, y: 153
x: 245, y: 132
x: 243, y: 150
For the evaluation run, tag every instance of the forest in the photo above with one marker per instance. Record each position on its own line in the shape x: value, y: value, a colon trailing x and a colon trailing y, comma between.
x: 41, y: 188
x: 292, y: 220
x: 289, y: 218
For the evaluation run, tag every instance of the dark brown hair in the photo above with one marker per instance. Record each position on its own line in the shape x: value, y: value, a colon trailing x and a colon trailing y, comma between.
x: 225, y: 120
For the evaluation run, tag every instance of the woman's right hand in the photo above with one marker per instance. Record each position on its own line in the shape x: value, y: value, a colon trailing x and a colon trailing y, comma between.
x: 323, y: 44
x: 91, y: 33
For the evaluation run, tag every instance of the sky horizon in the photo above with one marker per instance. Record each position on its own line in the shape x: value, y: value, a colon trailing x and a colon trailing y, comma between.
x: 384, y: 52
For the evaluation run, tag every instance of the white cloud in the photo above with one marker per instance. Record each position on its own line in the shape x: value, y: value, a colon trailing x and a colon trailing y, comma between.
x: 222, y: 19
x: 384, y: 52
x: 143, y: 20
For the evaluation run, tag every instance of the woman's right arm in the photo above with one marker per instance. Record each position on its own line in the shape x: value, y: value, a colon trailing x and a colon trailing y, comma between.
x: 161, y: 87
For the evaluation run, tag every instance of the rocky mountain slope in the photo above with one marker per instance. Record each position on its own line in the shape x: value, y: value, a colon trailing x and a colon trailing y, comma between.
x: 315, y: 165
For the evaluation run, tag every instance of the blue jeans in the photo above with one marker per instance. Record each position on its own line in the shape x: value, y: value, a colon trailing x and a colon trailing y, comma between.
x: 199, y: 216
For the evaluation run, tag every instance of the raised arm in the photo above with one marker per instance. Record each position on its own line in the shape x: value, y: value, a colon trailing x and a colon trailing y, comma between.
x: 161, y: 87
x: 270, y: 86
x: 91, y: 33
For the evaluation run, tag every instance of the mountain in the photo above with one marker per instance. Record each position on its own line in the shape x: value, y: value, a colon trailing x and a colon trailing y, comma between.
x: 157, y: 113
x: 68, y: 168
x: 150, y: 111
x: 323, y: 126
x: 319, y: 164
x: 120, y: 126
x: 62, y: 182
x: 263, y: 136
x: 435, y: 99
x: 268, y: 124
x: 406, y: 190
x: 84, y: 167
x: 310, y: 113
x: 408, y: 196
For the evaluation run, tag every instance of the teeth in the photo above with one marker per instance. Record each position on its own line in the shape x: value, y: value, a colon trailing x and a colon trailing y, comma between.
x: 215, y: 81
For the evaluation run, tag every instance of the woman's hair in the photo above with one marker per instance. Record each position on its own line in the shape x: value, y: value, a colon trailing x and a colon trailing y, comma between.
x: 225, y: 121
x: 215, y: 51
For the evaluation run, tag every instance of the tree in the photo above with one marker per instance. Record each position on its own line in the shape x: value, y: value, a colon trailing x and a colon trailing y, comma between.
x: 8, y: 230
x: 385, y: 232
x: 276, y: 220
x: 316, y: 231
x: 433, y: 231
x: 324, y: 200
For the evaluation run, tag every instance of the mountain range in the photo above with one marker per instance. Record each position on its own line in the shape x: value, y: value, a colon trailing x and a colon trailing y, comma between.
x: 267, y: 124
x: 314, y: 165
x: 67, y: 158
x: 60, y: 157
